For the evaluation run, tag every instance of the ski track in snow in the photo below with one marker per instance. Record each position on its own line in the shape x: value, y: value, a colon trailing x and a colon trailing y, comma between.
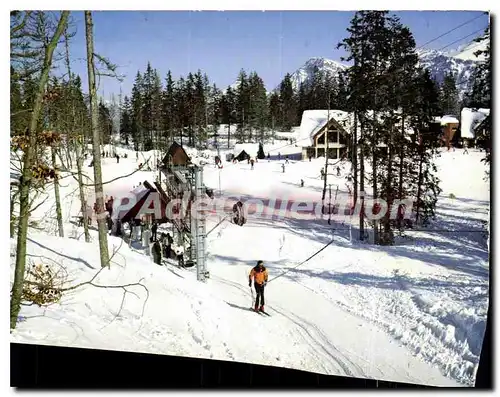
x: 414, y: 312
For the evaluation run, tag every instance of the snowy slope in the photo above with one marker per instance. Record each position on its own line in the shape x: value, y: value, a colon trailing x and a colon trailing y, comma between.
x: 414, y: 312
x: 467, y: 52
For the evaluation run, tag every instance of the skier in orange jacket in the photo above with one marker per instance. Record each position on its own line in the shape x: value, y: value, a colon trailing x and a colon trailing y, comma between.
x: 259, y: 275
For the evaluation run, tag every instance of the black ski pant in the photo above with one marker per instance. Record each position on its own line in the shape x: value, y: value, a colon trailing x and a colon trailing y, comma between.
x: 259, y: 289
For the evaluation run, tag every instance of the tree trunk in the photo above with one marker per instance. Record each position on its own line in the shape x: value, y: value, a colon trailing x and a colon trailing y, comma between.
x: 419, y: 187
x: 79, y: 143
x: 375, y: 179
x: 26, y: 179
x: 101, y: 213
x: 362, y: 183
x: 13, y: 197
x: 83, y: 200
x: 57, y: 195
x: 387, y: 238
x: 355, y: 159
x: 401, y: 164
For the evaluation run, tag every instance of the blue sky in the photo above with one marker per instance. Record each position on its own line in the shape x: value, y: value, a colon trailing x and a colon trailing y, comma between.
x: 221, y: 43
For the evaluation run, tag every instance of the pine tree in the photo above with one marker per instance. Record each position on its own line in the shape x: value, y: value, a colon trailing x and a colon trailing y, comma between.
x: 242, y: 106
x: 425, y: 148
x: 258, y: 109
x: 288, y: 103
x: 156, y: 110
x: 182, y: 108
x: 228, y: 111
x: 137, y: 113
x: 214, y: 104
x: 449, y: 101
x: 260, y: 154
x: 147, y: 113
x: 480, y: 92
x: 105, y: 123
x: 367, y: 47
x: 479, y: 95
x: 126, y: 121
x: 169, y: 117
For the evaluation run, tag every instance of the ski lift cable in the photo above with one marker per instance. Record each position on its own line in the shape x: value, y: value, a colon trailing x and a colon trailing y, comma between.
x: 461, y: 38
x: 303, y: 262
x: 451, y: 30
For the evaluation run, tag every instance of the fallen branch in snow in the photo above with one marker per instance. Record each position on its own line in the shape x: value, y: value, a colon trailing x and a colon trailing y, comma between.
x: 91, y: 282
x: 47, y: 284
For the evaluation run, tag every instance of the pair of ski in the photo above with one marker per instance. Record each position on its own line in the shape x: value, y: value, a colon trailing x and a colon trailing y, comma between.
x: 260, y: 312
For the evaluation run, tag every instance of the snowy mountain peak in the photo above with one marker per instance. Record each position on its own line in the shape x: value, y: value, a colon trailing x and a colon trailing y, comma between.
x: 306, y: 72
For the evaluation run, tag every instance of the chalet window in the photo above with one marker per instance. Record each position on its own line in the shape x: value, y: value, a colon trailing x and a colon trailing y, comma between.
x: 333, y: 136
x: 321, y: 139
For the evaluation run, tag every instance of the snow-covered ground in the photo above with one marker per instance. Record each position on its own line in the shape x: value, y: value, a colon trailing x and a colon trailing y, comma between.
x: 414, y: 312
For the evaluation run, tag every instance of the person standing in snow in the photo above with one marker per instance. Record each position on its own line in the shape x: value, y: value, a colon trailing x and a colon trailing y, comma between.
x: 179, y: 252
x: 252, y: 161
x: 465, y: 148
x: 286, y: 159
x: 88, y: 214
x: 283, y: 168
x: 259, y: 275
x: 338, y: 171
x: 154, y: 230
x: 156, y: 252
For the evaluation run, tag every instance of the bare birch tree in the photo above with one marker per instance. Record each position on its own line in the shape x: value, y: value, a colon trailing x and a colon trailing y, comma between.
x: 27, y: 176
x: 101, y: 213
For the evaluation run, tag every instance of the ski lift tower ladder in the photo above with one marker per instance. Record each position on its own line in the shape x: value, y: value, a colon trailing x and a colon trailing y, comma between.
x: 181, y: 176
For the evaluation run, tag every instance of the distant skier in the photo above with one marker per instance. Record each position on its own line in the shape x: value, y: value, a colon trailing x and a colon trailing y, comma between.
x: 338, y: 171
x: 286, y: 159
x: 117, y: 158
x: 301, y: 183
x: 252, y: 161
x: 322, y: 173
x: 283, y: 168
x: 259, y: 275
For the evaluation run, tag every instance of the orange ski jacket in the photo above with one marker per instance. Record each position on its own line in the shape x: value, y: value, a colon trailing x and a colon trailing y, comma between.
x: 259, y: 275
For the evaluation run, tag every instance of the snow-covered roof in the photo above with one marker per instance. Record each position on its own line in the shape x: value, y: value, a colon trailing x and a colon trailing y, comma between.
x: 448, y: 119
x: 314, y: 120
x: 250, y: 148
x: 470, y: 120
x: 137, y: 192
